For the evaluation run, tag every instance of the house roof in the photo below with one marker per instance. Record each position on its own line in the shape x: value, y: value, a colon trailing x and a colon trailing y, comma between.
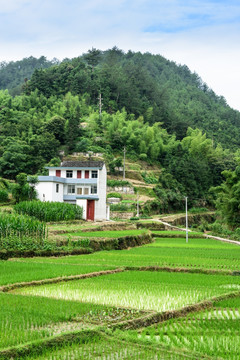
x: 82, y: 164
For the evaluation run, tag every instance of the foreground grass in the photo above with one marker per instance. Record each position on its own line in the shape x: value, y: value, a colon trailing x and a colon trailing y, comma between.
x: 49, y: 310
x: 159, y: 291
x: 101, y: 348
x: 27, y: 318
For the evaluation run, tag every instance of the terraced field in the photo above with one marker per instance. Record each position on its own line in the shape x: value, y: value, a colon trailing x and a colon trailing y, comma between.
x: 142, y: 290
x: 167, y: 300
x: 215, y: 332
x: 173, y: 252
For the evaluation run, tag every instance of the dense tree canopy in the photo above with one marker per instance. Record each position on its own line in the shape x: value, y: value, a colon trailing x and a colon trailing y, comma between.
x: 228, y: 198
x: 159, y: 111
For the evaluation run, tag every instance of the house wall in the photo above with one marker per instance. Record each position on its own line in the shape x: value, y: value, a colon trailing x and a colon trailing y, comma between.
x: 47, y: 191
x: 100, y: 205
x: 83, y: 204
x: 52, y: 172
x: 58, y: 196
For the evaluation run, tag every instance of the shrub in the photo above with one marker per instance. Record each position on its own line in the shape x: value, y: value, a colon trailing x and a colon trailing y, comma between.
x: 149, y: 178
x: 143, y: 157
x: 145, y: 217
x: 114, y: 195
x: 134, y: 218
x: 194, y: 210
x: 49, y: 211
x: 3, y: 195
x: 113, y: 183
x: 119, y: 207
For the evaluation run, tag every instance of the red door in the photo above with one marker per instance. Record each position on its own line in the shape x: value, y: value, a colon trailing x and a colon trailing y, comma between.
x: 58, y: 173
x: 79, y: 174
x: 90, y: 209
x: 86, y: 174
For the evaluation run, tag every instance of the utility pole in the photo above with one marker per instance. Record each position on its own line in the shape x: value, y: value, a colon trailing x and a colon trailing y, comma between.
x: 137, y: 206
x: 186, y: 220
x: 100, y: 112
x: 124, y: 156
x: 100, y: 104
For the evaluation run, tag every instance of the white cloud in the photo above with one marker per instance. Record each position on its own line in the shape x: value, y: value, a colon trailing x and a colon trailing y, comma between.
x: 11, y: 5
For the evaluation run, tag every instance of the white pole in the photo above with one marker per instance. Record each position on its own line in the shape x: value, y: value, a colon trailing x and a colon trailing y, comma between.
x: 186, y: 221
x: 137, y: 206
x: 124, y: 156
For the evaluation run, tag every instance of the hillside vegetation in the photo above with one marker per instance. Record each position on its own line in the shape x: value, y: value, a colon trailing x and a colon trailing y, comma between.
x: 102, y: 101
x: 144, y: 84
x: 14, y: 73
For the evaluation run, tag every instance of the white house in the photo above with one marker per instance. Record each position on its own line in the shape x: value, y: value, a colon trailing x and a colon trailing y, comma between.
x: 83, y: 183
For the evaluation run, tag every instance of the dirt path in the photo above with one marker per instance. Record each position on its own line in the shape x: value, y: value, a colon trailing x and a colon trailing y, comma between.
x: 205, y: 235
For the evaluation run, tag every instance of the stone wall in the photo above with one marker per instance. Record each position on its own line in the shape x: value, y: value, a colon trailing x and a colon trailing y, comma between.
x: 121, y: 215
x: 121, y: 189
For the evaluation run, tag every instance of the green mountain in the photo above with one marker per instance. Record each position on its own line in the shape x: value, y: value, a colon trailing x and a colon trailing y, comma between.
x: 146, y: 85
x: 105, y: 101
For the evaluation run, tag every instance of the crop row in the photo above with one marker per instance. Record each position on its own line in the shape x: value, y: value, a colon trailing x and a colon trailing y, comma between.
x: 199, y: 253
x: 24, y: 319
x: 213, y: 333
x: 159, y: 291
x: 49, y: 211
x: 101, y: 348
x: 14, y: 226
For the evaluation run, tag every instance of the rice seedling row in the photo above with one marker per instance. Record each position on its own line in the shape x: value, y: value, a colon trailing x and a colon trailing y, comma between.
x: 20, y: 271
x: 199, y: 253
x: 177, y: 234
x: 51, y: 310
x: 215, y: 332
x: 107, y: 234
x: 101, y: 347
x: 25, y: 319
x: 140, y: 290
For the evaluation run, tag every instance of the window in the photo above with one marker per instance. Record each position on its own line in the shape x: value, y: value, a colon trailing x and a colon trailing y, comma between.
x: 71, y: 189
x: 86, y: 174
x: 94, y: 189
x: 57, y: 188
x: 79, y: 191
x: 79, y: 174
x: 58, y: 173
x: 94, y: 174
x: 69, y: 173
x: 86, y: 191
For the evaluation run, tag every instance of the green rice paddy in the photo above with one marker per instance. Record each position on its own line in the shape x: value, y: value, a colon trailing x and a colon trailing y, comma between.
x: 143, y: 290
x: 78, y: 319
x: 206, y: 254
x: 107, y: 234
x: 215, y: 332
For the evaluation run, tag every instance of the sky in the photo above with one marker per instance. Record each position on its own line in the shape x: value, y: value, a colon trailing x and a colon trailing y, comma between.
x: 202, y: 34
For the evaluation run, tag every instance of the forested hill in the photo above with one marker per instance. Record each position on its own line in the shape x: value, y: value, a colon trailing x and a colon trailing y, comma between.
x: 145, y: 85
x: 14, y: 73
